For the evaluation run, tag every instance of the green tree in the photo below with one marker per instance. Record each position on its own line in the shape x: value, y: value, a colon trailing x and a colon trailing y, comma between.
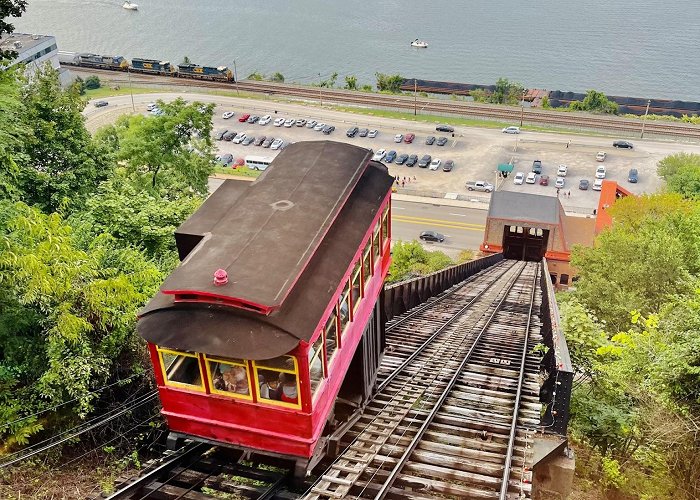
x: 389, y: 83
x: 351, y: 82
x: 366, y: 88
x: 13, y: 132
x: 63, y: 165
x: 277, y: 77
x: 596, y: 102
x: 681, y: 171
x: 479, y: 95
x: 9, y: 8
x: 92, y: 82
x: 330, y: 81
x: 186, y: 60
x: 257, y: 76
x: 410, y: 259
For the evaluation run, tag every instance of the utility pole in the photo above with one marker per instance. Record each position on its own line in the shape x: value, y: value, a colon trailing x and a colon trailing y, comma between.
x: 320, y: 96
x: 235, y: 77
x: 644, y: 120
x: 131, y: 90
x: 415, y: 97
x: 522, y: 108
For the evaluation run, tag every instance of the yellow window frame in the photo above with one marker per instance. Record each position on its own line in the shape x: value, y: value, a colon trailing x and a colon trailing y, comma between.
x: 356, y: 273
x: 324, y: 370
x: 386, y: 227
x: 367, y: 256
x: 229, y: 394
x: 336, y: 322
x: 180, y: 385
x: 294, y: 372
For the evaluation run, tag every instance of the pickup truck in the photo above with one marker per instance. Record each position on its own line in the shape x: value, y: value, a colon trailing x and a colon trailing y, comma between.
x: 479, y: 186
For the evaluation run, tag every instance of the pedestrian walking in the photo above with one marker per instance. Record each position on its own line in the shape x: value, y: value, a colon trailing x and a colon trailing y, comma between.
x: 403, y: 183
x: 568, y: 194
x: 568, y: 144
x: 414, y: 177
x: 557, y: 192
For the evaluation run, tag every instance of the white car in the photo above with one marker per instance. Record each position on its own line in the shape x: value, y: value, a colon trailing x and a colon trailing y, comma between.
x: 319, y: 126
x: 435, y: 164
x: 601, y: 156
x: 227, y: 115
x: 511, y: 130
x: 311, y: 123
x: 562, y: 170
x: 598, y: 185
x: 239, y: 138
x: 290, y: 123
x: 600, y: 172
x: 559, y: 183
x: 379, y: 155
x: 279, y: 122
x: 265, y: 120
x: 398, y: 138
x: 276, y: 144
x: 531, y: 178
x: 373, y: 133
x: 151, y: 106
x: 519, y: 178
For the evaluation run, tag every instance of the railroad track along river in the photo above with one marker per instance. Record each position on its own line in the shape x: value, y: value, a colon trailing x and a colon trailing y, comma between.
x: 452, y: 417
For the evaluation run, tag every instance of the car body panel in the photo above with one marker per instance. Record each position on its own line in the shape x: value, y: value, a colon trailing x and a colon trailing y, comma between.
x: 401, y: 159
x: 373, y: 133
x: 511, y: 130
x: 435, y: 164
x: 379, y: 155
x: 244, y: 117
x: 390, y: 156
x: 559, y: 182
x: 531, y: 178
x: 408, y: 138
x: 562, y: 170
x: 430, y: 140
x: 583, y: 184
x: 600, y: 172
x: 444, y: 128
x: 623, y: 144
x: 431, y: 236
x: 265, y: 120
x: 600, y: 156
x: 441, y: 141
x: 398, y: 138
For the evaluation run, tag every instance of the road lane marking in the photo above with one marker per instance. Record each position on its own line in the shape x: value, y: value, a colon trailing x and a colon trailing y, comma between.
x: 459, y: 215
x: 436, y: 224
x: 410, y: 218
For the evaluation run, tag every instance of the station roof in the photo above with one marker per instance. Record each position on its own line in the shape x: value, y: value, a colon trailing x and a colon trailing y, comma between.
x: 526, y: 207
x: 27, y: 41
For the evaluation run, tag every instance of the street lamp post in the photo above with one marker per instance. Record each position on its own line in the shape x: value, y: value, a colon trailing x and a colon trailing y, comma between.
x: 644, y: 120
x: 320, y: 96
x: 522, y: 109
x: 131, y: 90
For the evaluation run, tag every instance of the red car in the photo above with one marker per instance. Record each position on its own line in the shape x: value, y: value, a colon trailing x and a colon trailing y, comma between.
x: 408, y: 138
x: 544, y: 180
x: 238, y: 162
x: 244, y: 118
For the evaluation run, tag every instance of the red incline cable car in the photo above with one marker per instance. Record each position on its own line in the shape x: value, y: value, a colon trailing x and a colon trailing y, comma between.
x: 274, y: 309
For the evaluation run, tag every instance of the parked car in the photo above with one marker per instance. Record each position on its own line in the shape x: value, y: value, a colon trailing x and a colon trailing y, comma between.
x: 448, y: 166
x: 435, y: 164
x: 363, y: 132
x: 600, y: 156
x: 319, y: 126
x: 268, y: 142
x: 289, y: 122
x: 238, y: 162
x: 559, y: 182
x: 408, y: 138
x: 311, y: 123
x: 238, y: 139
x: 600, y: 172
x: 259, y: 141
x: 531, y: 178
x: 425, y: 161
x: 444, y: 128
x: 430, y: 140
x: 227, y: 115
x: 441, y: 141
x: 519, y: 178
x: 219, y: 135
x: 265, y: 120
x: 328, y: 129
x: 537, y: 166
x: 151, y: 106
x: 401, y: 159
x: 244, y: 118
x: 253, y: 119
x: 398, y: 138
x: 623, y: 144
x: 101, y: 104
x: 544, y: 180
x: 301, y: 122
x: 373, y: 133
x: 379, y: 155
x: 229, y: 136
x: 562, y: 170
x: 352, y: 131
x: 412, y: 160
x: 597, y: 184
x: 225, y: 160
x: 432, y: 236
x: 633, y: 176
x: 278, y: 122
x: 511, y: 130
x: 583, y: 184
x: 479, y: 186
x: 390, y: 156
x: 249, y: 139
x: 276, y: 144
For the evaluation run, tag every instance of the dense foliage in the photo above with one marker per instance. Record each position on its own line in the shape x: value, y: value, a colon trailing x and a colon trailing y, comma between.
x: 681, y: 171
x: 389, y: 83
x: 596, y: 102
x: 409, y: 259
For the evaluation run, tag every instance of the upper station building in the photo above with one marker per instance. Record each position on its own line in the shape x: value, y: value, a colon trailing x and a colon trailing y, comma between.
x: 33, y: 51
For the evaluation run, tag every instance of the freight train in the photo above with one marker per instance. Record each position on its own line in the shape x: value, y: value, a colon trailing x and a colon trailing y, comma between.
x: 146, y: 66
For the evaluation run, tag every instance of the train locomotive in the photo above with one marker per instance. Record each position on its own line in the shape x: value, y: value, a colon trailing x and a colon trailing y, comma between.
x: 275, y: 312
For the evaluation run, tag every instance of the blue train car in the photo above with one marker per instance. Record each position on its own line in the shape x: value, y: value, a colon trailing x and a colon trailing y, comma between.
x: 105, y: 62
x: 222, y: 73
x: 152, y: 66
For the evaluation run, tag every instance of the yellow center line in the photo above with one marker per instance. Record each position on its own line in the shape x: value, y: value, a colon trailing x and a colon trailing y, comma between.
x: 439, y: 224
x: 408, y: 218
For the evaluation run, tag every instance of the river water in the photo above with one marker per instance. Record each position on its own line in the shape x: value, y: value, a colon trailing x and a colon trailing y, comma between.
x: 645, y: 48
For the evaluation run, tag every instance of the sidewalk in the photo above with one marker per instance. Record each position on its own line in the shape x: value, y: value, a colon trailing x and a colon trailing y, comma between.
x: 475, y: 203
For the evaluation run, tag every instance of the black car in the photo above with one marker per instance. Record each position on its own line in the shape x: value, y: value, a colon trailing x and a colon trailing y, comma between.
x: 259, y: 140
x: 401, y: 159
x: 633, y: 176
x: 583, y: 184
x: 228, y: 136
x: 328, y: 129
x: 412, y: 160
x: 444, y: 128
x: 623, y: 144
x: 220, y: 134
x: 352, y: 132
x: 425, y: 161
x: 101, y: 104
x: 432, y: 236
x: 448, y: 166
x: 268, y: 142
x: 364, y: 132
x: 430, y: 140
x: 248, y: 140
x: 225, y: 159
x: 441, y: 141
x: 537, y: 166
x: 390, y: 156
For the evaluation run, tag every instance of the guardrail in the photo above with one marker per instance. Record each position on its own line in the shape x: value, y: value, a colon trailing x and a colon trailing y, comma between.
x: 400, y: 297
x: 555, y: 393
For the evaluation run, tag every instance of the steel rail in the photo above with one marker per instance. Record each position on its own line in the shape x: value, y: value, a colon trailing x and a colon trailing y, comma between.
x: 388, y: 483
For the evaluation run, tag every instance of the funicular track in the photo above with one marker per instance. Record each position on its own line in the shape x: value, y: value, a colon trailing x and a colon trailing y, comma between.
x: 458, y: 389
